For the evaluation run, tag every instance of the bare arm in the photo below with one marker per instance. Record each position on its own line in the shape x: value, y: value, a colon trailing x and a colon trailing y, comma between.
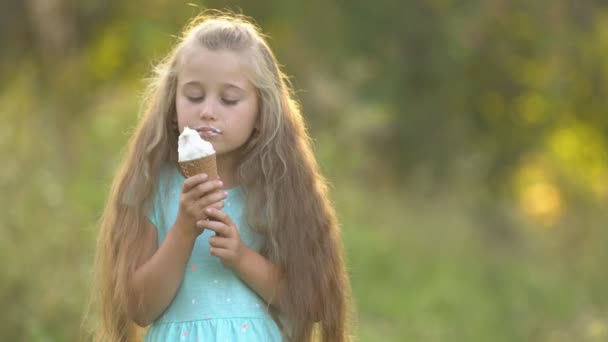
x: 160, y: 269
x: 260, y: 274
x: 159, y: 274
x: 254, y: 269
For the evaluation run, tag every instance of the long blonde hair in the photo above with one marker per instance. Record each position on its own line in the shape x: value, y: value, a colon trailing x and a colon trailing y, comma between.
x: 286, y: 196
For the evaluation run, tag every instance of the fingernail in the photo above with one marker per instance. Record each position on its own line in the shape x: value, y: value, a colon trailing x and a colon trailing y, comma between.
x: 225, y: 193
x: 208, y: 210
x: 221, y: 183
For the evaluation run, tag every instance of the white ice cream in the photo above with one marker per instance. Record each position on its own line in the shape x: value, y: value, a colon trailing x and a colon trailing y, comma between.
x: 191, y: 146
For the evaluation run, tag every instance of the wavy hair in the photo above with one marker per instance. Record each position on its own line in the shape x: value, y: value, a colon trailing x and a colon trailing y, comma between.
x: 287, y: 198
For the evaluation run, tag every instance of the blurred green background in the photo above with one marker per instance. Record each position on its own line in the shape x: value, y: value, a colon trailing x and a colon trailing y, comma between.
x: 465, y: 143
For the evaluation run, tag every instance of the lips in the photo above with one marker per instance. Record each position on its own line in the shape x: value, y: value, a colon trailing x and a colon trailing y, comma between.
x: 208, y: 131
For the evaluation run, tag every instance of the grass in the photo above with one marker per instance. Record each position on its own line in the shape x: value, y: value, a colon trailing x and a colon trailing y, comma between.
x: 423, y: 269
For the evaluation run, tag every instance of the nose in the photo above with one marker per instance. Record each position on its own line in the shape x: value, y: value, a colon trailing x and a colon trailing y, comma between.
x: 207, y: 112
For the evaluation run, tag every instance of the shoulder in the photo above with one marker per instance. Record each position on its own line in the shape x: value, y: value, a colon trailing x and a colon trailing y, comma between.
x: 167, y: 182
x: 168, y: 179
x: 163, y: 201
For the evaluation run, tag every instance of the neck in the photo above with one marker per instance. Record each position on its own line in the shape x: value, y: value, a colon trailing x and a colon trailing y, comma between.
x: 226, y: 169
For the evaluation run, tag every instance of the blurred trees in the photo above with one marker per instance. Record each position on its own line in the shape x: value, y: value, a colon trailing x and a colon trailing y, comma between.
x: 489, y: 80
x: 484, y: 83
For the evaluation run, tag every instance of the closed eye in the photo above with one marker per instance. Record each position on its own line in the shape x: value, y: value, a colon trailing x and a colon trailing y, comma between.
x: 230, y: 102
x: 195, y: 99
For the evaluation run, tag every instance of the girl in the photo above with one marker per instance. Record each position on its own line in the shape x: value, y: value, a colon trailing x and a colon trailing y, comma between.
x: 254, y: 256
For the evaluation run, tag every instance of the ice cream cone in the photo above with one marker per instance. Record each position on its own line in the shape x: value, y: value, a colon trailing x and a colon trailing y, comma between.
x: 201, y: 165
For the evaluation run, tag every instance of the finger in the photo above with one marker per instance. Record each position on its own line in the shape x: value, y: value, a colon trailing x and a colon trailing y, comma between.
x: 193, y: 181
x: 199, y: 191
x: 211, y: 198
x: 218, y: 205
x: 219, y: 242
x: 221, y: 253
x: 219, y: 215
x: 206, y: 187
x: 218, y: 227
x: 201, y: 209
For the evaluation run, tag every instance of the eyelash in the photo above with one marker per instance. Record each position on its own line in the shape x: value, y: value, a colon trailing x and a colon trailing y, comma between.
x: 230, y: 102
x: 195, y: 99
x: 226, y: 102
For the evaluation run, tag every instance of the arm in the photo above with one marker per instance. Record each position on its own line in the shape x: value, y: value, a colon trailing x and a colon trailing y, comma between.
x: 159, y: 273
x: 254, y: 269
x: 260, y: 274
x: 160, y: 269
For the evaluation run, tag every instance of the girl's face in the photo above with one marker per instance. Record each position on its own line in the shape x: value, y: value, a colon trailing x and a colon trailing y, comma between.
x: 215, y: 97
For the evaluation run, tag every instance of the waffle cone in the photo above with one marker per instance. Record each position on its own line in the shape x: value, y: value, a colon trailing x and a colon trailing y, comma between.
x: 202, y: 165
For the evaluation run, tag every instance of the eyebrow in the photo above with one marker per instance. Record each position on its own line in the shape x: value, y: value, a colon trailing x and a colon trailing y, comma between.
x: 227, y: 85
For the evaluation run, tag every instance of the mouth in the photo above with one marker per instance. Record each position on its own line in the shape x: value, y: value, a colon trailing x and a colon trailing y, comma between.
x: 208, y: 131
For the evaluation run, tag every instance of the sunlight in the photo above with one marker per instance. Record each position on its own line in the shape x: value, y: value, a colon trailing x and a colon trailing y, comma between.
x: 578, y: 151
x: 543, y: 202
x: 539, y: 197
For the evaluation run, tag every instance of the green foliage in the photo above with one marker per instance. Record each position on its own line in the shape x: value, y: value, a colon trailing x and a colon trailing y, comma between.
x: 465, y: 143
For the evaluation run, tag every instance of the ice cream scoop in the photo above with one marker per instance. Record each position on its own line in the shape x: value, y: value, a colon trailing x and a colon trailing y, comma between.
x: 191, y: 146
x: 195, y: 155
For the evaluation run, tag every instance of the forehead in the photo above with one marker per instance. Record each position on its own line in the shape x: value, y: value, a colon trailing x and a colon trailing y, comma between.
x: 200, y: 65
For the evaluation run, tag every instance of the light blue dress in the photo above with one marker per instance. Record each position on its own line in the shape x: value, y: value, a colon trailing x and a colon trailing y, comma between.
x: 212, y: 303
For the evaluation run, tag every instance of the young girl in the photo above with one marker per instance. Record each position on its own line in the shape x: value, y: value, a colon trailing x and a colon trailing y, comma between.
x: 253, y: 256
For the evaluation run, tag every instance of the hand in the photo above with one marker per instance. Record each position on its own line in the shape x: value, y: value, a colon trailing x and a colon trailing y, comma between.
x: 197, y: 194
x: 227, y: 243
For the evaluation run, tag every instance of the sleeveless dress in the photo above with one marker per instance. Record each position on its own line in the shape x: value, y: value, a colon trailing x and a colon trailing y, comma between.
x: 212, y: 302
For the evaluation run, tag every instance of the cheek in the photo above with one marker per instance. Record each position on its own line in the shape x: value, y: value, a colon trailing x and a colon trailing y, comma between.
x: 241, y: 126
x: 252, y: 114
x: 182, y: 108
x: 180, y: 105
x: 248, y: 122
